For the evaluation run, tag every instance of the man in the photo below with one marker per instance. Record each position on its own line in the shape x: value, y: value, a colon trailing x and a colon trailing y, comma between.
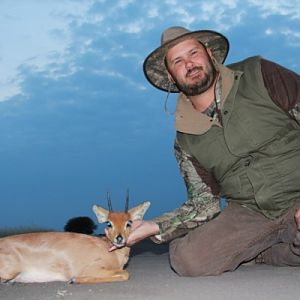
x: 238, y: 136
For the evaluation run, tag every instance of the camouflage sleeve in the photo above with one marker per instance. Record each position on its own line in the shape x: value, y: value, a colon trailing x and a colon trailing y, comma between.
x: 202, y: 203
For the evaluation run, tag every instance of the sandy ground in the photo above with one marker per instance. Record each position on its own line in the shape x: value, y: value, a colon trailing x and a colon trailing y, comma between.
x: 152, y: 278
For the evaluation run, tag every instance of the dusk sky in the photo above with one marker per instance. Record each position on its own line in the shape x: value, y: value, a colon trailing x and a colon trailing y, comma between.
x: 77, y: 116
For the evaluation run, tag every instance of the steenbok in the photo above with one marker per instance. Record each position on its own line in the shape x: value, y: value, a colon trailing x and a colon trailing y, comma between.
x: 71, y: 257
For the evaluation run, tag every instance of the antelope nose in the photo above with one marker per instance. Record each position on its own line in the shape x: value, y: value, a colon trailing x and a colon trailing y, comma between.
x: 119, y: 239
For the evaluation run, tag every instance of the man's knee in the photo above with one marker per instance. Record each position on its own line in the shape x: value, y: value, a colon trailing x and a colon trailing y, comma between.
x: 184, y: 263
x: 179, y: 260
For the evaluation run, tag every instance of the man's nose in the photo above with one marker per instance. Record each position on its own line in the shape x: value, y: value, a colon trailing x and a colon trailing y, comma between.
x: 189, y: 64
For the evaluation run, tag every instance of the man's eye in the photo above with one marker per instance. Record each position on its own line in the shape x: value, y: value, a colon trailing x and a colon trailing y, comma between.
x: 194, y: 52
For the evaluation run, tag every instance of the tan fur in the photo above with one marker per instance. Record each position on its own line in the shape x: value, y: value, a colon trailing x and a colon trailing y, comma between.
x: 66, y: 256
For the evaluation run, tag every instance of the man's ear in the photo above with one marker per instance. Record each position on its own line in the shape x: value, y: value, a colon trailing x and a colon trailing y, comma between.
x: 211, y: 55
x: 209, y: 51
x: 170, y: 78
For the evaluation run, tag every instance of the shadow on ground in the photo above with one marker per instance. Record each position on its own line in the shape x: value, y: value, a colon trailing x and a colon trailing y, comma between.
x: 147, y: 246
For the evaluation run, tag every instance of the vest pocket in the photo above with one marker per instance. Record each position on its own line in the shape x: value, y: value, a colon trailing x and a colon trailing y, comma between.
x: 230, y: 187
x: 237, y: 187
x: 286, y: 143
x: 285, y: 153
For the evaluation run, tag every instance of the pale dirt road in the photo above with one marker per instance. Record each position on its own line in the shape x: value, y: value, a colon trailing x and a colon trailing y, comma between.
x: 151, y: 278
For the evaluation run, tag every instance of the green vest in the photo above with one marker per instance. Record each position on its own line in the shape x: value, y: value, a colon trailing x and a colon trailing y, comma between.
x: 255, y: 156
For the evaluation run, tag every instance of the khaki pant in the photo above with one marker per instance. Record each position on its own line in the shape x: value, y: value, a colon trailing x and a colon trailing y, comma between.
x: 237, y: 235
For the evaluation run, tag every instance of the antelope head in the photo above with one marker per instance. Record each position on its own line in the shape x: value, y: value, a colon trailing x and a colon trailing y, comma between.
x: 119, y: 223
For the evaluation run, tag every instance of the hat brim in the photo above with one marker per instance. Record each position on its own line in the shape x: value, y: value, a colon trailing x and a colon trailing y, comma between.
x: 154, y: 65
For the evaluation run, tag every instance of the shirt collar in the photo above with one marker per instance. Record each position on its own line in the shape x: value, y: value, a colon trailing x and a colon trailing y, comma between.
x: 189, y: 120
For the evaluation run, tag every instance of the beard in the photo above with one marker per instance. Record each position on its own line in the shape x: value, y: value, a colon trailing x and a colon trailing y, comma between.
x: 201, y: 85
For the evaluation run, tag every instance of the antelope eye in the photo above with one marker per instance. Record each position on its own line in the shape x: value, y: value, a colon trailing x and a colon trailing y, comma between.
x: 129, y: 223
x: 108, y: 224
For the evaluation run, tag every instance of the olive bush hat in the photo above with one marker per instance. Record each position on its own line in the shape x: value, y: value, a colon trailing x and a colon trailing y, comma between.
x: 154, y: 65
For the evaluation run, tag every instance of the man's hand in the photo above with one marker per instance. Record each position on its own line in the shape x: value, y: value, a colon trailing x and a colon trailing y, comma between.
x: 140, y: 230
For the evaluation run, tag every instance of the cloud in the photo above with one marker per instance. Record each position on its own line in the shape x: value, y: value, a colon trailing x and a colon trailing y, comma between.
x: 290, y: 8
x: 32, y: 40
x: 224, y: 16
x: 133, y: 27
x: 292, y: 36
x: 64, y: 34
x: 153, y: 12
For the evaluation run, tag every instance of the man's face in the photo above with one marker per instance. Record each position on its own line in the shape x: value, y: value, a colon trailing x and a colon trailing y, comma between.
x: 189, y: 64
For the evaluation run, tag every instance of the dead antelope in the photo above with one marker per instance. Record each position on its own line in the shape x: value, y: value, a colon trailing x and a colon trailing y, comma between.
x: 71, y: 257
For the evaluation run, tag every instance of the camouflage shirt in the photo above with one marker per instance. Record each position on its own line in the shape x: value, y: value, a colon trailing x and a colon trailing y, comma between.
x: 203, y: 198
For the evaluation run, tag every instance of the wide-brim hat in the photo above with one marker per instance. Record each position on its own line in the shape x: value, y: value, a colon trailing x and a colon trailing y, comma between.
x: 154, y: 65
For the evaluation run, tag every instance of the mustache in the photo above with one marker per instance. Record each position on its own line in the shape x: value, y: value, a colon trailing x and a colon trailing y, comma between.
x: 198, y: 68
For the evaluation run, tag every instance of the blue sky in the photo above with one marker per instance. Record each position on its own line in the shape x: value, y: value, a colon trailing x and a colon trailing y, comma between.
x: 77, y: 116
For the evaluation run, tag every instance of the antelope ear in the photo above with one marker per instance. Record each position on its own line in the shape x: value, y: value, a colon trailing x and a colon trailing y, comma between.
x: 137, y: 213
x: 101, y: 213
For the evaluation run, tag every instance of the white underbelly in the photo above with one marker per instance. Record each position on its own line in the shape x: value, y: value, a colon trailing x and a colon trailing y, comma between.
x: 39, y: 276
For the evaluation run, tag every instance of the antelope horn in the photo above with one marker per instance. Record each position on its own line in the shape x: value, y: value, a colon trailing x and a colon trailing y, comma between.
x: 109, y: 202
x: 127, y: 201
